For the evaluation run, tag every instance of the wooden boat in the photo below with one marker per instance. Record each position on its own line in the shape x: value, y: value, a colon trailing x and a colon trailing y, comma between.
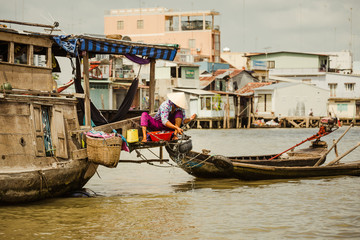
x: 260, y: 172
x: 42, y: 151
x: 217, y: 166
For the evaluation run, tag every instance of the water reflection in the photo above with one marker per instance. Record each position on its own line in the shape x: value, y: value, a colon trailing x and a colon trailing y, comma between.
x: 147, y: 202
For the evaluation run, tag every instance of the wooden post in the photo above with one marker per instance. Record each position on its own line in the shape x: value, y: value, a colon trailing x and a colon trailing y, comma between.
x: 339, y: 158
x: 322, y: 158
x: 152, y: 87
x: 249, y: 113
x: 30, y: 55
x: 225, y: 115
x: 238, y: 112
x: 87, y: 90
x: 335, y: 148
x: 161, y: 152
x: 307, y: 122
x: 11, y: 57
x: 49, y: 58
x: 227, y: 111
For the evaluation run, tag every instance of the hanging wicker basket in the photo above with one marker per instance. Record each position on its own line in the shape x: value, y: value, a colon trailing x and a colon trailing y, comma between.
x: 102, y: 151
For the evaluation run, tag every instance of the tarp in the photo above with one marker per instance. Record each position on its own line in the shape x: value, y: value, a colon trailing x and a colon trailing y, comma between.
x: 109, y: 46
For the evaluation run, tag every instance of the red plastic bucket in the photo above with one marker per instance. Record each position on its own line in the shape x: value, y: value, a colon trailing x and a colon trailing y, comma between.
x: 158, y: 135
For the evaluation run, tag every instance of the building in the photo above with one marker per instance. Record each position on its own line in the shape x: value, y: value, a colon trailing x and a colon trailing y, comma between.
x: 344, y: 101
x: 195, y: 31
x: 211, y: 67
x: 236, y: 59
x: 170, y: 75
x: 340, y: 62
x: 226, y: 80
x: 287, y: 64
x: 290, y: 99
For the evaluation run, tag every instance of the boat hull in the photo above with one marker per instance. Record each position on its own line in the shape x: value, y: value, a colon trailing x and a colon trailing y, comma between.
x: 33, y: 185
x: 255, y: 172
x: 207, y: 166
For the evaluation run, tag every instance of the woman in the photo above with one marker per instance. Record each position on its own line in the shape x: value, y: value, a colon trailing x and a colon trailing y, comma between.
x: 169, y: 117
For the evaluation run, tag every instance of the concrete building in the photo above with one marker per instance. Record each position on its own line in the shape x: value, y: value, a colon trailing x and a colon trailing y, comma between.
x: 340, y: 62
x: 226, y: 80
x: 290, y: 99
x: 287, y: 64
x: 170, y: 75
x: 195, y: 31
x: 235, y: 59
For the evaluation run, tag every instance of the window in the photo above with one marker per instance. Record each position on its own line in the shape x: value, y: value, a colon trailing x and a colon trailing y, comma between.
x: 271, y: 64
x: 40, y: 56
x: 332, y: 87
x: 120, y: 25
x: 20, y: 53
x: 342, y: 107
x: 264, y: 103
x: 189, y: 74
x: 208, y: 103
x: 140, y: 24
x: 205, y: 103
x: 4, y: 51
x: 192, y: 43
x: 349, y: 87
x: 217, y: 42
x: 171, y: 23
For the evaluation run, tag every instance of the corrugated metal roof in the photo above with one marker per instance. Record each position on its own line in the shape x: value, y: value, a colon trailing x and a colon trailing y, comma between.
x: 249, y: 88
x: 269, y: 53
x: 277, y: 85
x: 194, y: 91
x: 220, y: 73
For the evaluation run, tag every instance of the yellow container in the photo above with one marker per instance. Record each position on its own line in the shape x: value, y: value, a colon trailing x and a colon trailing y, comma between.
x: 132, y: 135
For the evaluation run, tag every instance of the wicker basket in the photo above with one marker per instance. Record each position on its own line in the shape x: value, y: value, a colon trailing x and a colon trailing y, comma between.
x: 104, y: 151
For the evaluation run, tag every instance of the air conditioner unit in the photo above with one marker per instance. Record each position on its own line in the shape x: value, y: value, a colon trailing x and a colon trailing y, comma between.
x: 198, y: 49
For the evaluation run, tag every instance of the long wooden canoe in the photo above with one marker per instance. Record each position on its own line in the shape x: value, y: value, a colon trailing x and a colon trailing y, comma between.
x: 217, y: 166
x: 260, y: 172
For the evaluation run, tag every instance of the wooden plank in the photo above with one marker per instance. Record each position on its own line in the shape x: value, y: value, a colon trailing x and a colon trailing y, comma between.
x: 293, y: 123
x: 58, y: 133
x: 152, y: 87
x: 79, y: 95
x: 16, y: 124
x: 87, y: 90
x: 38, y: 130
x: 10, y: 144
x: 123, y: 124
x: 30, y: 55
x: 27, y: 23
x: 20, y: 109
x: 26, y: 77
x: 79, y: 154
x: 11, y: 53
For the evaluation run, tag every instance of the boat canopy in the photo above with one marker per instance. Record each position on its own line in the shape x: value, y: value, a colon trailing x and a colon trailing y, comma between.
x: 74, y: 44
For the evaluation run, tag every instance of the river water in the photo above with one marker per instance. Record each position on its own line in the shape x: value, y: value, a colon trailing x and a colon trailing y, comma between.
x: 141, y: 201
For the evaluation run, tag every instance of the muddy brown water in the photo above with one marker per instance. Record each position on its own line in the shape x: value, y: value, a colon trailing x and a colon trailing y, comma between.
x: 141, y: 201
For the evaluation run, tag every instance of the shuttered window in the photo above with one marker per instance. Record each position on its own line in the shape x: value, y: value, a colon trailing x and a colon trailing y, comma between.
x: 264, y: 103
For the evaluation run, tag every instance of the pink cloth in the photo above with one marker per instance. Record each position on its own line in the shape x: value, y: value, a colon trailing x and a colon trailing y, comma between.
x: 99, y: 134
x: 157, y: 124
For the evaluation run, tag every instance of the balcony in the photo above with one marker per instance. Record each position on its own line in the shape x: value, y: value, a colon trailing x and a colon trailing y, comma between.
x: 195, y: 25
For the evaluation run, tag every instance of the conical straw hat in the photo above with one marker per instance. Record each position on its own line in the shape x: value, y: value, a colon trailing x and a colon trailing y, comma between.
x: 178, y: 99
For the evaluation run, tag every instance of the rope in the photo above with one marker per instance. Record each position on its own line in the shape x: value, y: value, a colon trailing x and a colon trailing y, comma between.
x: 43, y: 178
x: 199, y: 163
x: 140, y: 155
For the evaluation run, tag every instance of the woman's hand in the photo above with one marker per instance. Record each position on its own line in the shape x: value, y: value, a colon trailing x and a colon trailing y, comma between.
x: 193, y: 117
x: 178, y: 131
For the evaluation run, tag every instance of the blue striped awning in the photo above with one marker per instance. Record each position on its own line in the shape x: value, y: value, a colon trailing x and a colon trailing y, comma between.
x: 109, y: 46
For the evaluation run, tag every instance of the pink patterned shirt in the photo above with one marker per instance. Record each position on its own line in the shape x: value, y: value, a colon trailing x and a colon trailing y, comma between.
x: 164, y: 111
